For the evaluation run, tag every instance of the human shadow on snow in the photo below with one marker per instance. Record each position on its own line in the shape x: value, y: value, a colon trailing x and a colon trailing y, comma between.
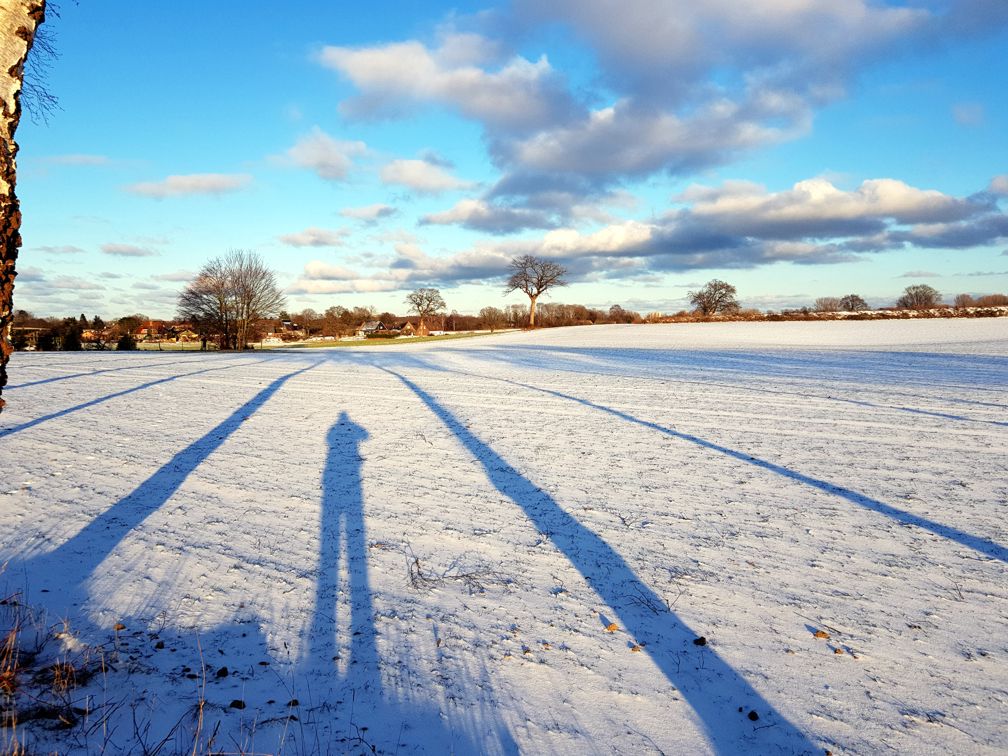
x: 716, y: 692
x: 350, y: 706
x: 339, y: 711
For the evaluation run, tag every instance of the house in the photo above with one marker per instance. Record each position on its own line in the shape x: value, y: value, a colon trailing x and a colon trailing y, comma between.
x: 405, y: 328
x: 370, y: 327
x: 153, y: 330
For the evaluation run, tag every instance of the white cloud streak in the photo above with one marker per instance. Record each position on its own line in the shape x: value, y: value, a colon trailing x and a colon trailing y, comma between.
x: 191, y: 184
x: 127, y: 250
x: 316, y: 237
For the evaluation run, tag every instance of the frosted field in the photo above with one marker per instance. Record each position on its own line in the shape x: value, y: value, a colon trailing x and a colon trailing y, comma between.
x: 511, y: 543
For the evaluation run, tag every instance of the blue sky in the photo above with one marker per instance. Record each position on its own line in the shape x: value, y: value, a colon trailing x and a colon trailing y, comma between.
x: 797, y: 149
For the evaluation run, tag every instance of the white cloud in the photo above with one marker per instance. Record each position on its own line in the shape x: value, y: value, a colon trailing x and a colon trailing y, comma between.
x: 368, y: 213
x: 316, y: 270
x: 999, y: 185
x: 520, y: 94
x: 816, y: 206
x: 77, y: 159
x: 316, y: 237
x: 190, y: 184
x: 969, y: 113
x: 680, y: 86
x: 481, y: 215
x: 30, y: 275
x: 59, y: 249
x: 735, y: 225
x: 72, y: 283
x: 178, y: 276
x: 665, y: 50
x: 421, y: 176
x: 327, y: 157
x: 324, y: 278
x: 127, y: 250
x: 624, y: 140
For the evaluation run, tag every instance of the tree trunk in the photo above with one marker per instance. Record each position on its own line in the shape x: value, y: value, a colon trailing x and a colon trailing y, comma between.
x: 532, y: 301
x: 18, y: 21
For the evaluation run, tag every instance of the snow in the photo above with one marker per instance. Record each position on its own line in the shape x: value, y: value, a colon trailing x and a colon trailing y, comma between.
x: 424, y: 545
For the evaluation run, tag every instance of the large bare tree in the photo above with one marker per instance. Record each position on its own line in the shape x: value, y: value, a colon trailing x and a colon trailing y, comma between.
x: 534, y: 276
x: 716, y: 296
x: 19, y: 20
x: 229, y: 294
x: 919, y: 297
x: 425, y: 302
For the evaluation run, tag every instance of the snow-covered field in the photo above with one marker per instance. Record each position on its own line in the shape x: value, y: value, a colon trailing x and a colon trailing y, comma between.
x: 513, y: 543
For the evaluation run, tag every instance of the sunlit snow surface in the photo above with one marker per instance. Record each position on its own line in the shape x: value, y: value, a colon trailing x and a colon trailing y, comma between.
x: 425, y: 544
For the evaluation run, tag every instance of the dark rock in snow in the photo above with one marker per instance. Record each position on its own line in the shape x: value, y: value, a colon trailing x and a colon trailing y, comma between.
x: 701, y: 641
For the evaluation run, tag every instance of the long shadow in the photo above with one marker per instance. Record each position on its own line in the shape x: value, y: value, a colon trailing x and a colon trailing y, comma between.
x: 980, y: 373
x: 982, y: 545
x: 716, y: 703
x: 341, y: 530
x: 100, y: 400
x: 365, y: 715
x: 84, y: 552
x: 89, y: 373
x: 883, y: 368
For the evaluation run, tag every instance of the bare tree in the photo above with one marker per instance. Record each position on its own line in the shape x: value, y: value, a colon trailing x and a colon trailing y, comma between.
x: 852, y: 303
x: 716, y: 296
x: 425, y: 302
x: 228, y: 295
x: 964, y: 300
x: 534, y: 277
x: 827, y: 304
x: 492, y: 318
x: 19, y: 22
x: 256, y: 292
x: 919, y: 297
x: 208, y: 304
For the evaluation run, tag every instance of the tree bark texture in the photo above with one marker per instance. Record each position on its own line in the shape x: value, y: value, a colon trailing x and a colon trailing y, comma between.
x: 18, y: 21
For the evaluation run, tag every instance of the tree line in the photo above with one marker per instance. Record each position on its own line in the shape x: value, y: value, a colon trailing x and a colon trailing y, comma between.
x: 235, y: 300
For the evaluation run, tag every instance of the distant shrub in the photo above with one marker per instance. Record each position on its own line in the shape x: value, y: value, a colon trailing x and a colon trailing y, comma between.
x: 992, y: 300
x: 827, y: 304
x: 126, y: 343
x: 853, y: 303
x: 383, y: 334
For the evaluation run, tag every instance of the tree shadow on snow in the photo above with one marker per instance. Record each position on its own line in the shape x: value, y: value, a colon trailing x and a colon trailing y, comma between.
x: 81, y: 555
x: 102, y: 399
x: 718, y: 694
x: 59, y: 580
x: 90, y: 373
x: 984, y: 546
